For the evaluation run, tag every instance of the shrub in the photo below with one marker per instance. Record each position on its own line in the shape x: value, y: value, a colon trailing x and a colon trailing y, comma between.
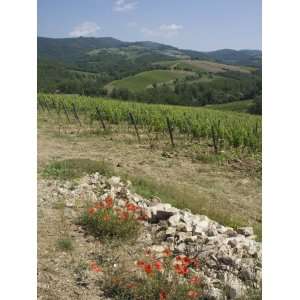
x: 104, y: 220
x: 166, y: 278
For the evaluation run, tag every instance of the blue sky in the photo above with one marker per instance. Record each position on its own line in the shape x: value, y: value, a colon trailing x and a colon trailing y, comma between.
x: 188, y: 24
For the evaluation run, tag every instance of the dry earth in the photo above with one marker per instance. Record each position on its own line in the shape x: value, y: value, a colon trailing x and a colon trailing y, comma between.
x: 229, y: 190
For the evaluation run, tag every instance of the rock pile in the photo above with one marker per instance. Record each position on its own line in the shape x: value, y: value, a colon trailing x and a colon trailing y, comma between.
x: 231, y: 259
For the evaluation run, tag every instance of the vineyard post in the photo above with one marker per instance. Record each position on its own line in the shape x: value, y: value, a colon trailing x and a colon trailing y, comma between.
x: 170, y: 131
x: 100, y: 118
x: 75, y: 114
x: 40, y: 104
x: 66, y: 112
x: 214, y: 139
x: 46, y: 104
x: 135, y: 127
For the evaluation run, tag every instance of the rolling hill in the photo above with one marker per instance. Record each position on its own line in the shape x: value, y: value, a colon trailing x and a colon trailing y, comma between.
x: 146, y: 79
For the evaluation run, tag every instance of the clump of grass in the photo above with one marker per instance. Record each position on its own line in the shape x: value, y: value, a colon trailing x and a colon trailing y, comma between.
x: 108, y: 222
x: 75, y: 168
x: 65, y: 244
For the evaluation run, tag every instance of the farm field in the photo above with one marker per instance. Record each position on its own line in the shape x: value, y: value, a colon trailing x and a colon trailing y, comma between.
x: 190, y: 169
x: 237, y: 106
x: 144, y: 80
x: 205, y: 66
x: 224, y: 129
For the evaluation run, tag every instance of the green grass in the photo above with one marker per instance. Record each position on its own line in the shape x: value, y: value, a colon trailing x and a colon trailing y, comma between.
x: 74, y: 168
x: 65, y: 244
x: 237, y: 106
x: 143, y: 80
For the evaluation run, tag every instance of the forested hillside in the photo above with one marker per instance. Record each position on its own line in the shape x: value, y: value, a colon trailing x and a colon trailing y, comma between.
x: 147, y: 71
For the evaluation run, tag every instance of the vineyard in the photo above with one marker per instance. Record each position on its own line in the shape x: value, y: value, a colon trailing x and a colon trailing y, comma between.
x: 221, y: 130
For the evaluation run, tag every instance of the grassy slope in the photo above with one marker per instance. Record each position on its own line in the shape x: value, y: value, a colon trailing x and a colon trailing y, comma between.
x: 238, y: 106
x: 142, y: 80
x: 205, y: 66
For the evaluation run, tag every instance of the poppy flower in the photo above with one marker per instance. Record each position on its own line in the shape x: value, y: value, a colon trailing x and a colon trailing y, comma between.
x: 148, y: 268
x: 124, y: 215
x: 95, y: 267
x: 106, y: 218
x: 99, y: 205
x: 186, y: 261
x: 162, y: 295
x: 192, y: 294
x: 131, y: 207
x: 108, y: 202
x: 181, y: 270
x: 140, y: 263
x: 195, y: 280
x: 92, y: 210
x: 167, y: 252
x: 158, y: 265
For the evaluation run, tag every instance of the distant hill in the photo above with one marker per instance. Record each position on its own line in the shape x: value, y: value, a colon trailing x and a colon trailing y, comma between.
x: 97, y: 66
x: 70, y: 49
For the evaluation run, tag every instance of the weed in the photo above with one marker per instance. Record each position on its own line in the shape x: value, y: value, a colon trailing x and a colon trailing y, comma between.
x: 75, y: 168
x: 65, y: 244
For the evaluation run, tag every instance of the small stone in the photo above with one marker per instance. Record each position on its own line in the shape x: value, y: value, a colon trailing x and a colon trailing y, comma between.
x: 158, y: 248
x: 227, y: 260
x: 181, y: 247
x: 214, y: 294
x: 174, y: 220
x: 234, y: 289
x: 233, y: 243
x: 170, y: 231
x: 114, y: 181
x: 246, y: 231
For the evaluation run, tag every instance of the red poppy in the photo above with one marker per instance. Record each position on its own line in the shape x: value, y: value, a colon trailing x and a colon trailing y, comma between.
x: 142, y: 217
x: 195, y: 280
x: 92, y: 210
x: 162, y: 295
x: 148, y: 268
x: 186, y: 261
x: 95, y: 267
x: 181, y: 270
x: 158, y: 265
x: 131, y: 207
x: 140, y: 263
x: 193, y: 294
x: 99, y: 205
x: 108, y: 202
x: 106, y: 218
x: 167, y: 252
x: 124, y: 215
x: 130, y: 285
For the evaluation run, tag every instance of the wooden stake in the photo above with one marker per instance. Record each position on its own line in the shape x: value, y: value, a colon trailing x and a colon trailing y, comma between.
x: 75, y: 114
x: 170, y: 131
x: 214, y: 139
x: 66, y: 112
x: 135, y: 127
x: 100, y: 118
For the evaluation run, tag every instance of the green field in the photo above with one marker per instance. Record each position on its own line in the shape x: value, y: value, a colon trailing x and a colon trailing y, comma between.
x: 237, y: 106
x: 144, y: 80
x: 227, y: 129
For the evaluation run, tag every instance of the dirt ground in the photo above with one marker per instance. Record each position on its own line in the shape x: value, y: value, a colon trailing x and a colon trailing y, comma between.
x: 229, y: 190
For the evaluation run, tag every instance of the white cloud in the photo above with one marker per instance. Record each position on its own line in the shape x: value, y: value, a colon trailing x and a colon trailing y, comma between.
x: 84, y: 29
x: 124, y: 5
x: 164, y: 31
